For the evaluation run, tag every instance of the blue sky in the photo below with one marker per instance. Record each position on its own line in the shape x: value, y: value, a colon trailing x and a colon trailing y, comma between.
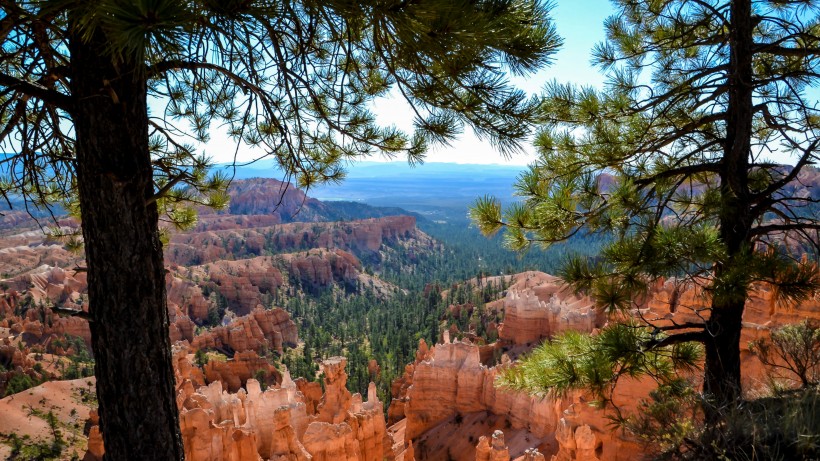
x: 579, y: 22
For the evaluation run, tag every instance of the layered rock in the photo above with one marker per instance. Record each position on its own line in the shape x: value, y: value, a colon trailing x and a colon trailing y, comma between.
x: 538, y: 306
x: 450, y: 388
x: 181, y: 327
x: 51, y: 285
x: 47, y: 286
x: 246, y: 284
x: 362, y: 236
x: 321, y: 268
x: 493, y: 449
x: 672, y: 301
x: 187, y: 296
x: 262, y: 328
x: 277, y: 424
x: 451, y: 380
x: 243, y: 283
x: 447, y: 389
x: 28, y: 251
x: 576, y: 443
x: 235, y: 373
x: 38, y: 325
x: 266, y: 196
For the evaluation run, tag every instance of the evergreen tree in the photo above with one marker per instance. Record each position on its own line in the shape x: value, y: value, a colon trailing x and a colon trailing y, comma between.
x: 294, y: 80
x: 672, y: 159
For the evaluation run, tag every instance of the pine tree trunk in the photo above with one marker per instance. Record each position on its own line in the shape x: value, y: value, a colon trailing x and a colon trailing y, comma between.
x: 722, y: 361
x: 722, y: 367
x: 126, y: 278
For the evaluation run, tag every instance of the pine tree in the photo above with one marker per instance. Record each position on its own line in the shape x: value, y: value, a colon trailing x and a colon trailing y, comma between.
x: 294, y: 80
x: 671, y: 159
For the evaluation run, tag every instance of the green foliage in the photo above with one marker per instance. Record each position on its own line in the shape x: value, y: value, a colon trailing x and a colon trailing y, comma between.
x: 77, y: 369
x: 783, y: 427
x: 624, y: 159
x: 466, y: 252
x: 18, y: 383
x: 669, y: 420
x: 216, y: 308
x: 293, y: 83
x: 262, y: 377
x: 642, y: 158
x: 24, y: 449
x: 361, y: 327
x: 574, y: 360
x: 672, y: 424
x: 200, y: 358
x: 81, y: 363
x: 792, y: 352
x: 669, y: 158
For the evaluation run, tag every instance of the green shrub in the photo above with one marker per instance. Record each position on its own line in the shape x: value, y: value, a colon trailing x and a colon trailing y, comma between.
x: 782, y: 427
x: 792, y: 352
x: 19, y: 383
x: 201, y: 358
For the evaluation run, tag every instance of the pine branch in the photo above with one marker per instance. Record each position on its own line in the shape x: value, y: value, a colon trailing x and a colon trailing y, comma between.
x: 786, y: 51
x: 175, y: 64
x: 34, y: 90
x: 769, y: 228
x: 167, y: 187
x: 680, y: 326
x: 764, y: 198
x: 678, y: 338
x: 688, y: 170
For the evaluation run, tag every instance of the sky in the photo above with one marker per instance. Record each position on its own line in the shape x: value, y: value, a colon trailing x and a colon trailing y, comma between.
x: 580, y: 24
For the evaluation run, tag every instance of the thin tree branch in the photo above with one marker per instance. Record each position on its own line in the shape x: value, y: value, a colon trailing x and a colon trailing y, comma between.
x: 784, y: 228
x: 690, y: 336
x: 34, y: 90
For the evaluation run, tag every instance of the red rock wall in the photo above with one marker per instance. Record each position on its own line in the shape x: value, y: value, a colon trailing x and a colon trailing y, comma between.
x: 277, y: 423
x: 448, y: 382
x: 260, y: 329
x: 537, y: 306
x: 367, y: 235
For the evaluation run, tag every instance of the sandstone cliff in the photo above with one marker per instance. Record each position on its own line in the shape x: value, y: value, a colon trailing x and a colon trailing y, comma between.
x: 279, y: 423
x: 538, y: 306
x: 256, y: 331
x: 360, y: 237
x: 448, y: 398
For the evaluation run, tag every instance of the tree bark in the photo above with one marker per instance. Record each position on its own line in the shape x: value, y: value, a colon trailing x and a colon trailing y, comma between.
x: 722, y: 346
x: 126, y: 277
x: 722, y: 349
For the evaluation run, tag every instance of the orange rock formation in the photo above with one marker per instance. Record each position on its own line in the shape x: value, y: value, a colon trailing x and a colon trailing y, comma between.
x: 493, y: 449
x: 366, y: 235
x: 278, y: 423
x: 448, y: 395
x: 538, y: 306
x: 261, y: 328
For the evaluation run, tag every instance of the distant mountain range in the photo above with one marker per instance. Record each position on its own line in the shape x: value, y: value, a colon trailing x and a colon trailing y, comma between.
x: 425, y: 188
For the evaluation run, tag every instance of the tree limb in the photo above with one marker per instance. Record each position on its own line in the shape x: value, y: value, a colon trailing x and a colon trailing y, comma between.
x: 690, y: 336
x: 784, y: 228
x: 33, y: 90
x: 786, y: 51
x: 684, y: 170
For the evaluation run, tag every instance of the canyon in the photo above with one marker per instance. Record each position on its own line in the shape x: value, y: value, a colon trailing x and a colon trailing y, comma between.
x: 226, y: 279
x: 445, y: 406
